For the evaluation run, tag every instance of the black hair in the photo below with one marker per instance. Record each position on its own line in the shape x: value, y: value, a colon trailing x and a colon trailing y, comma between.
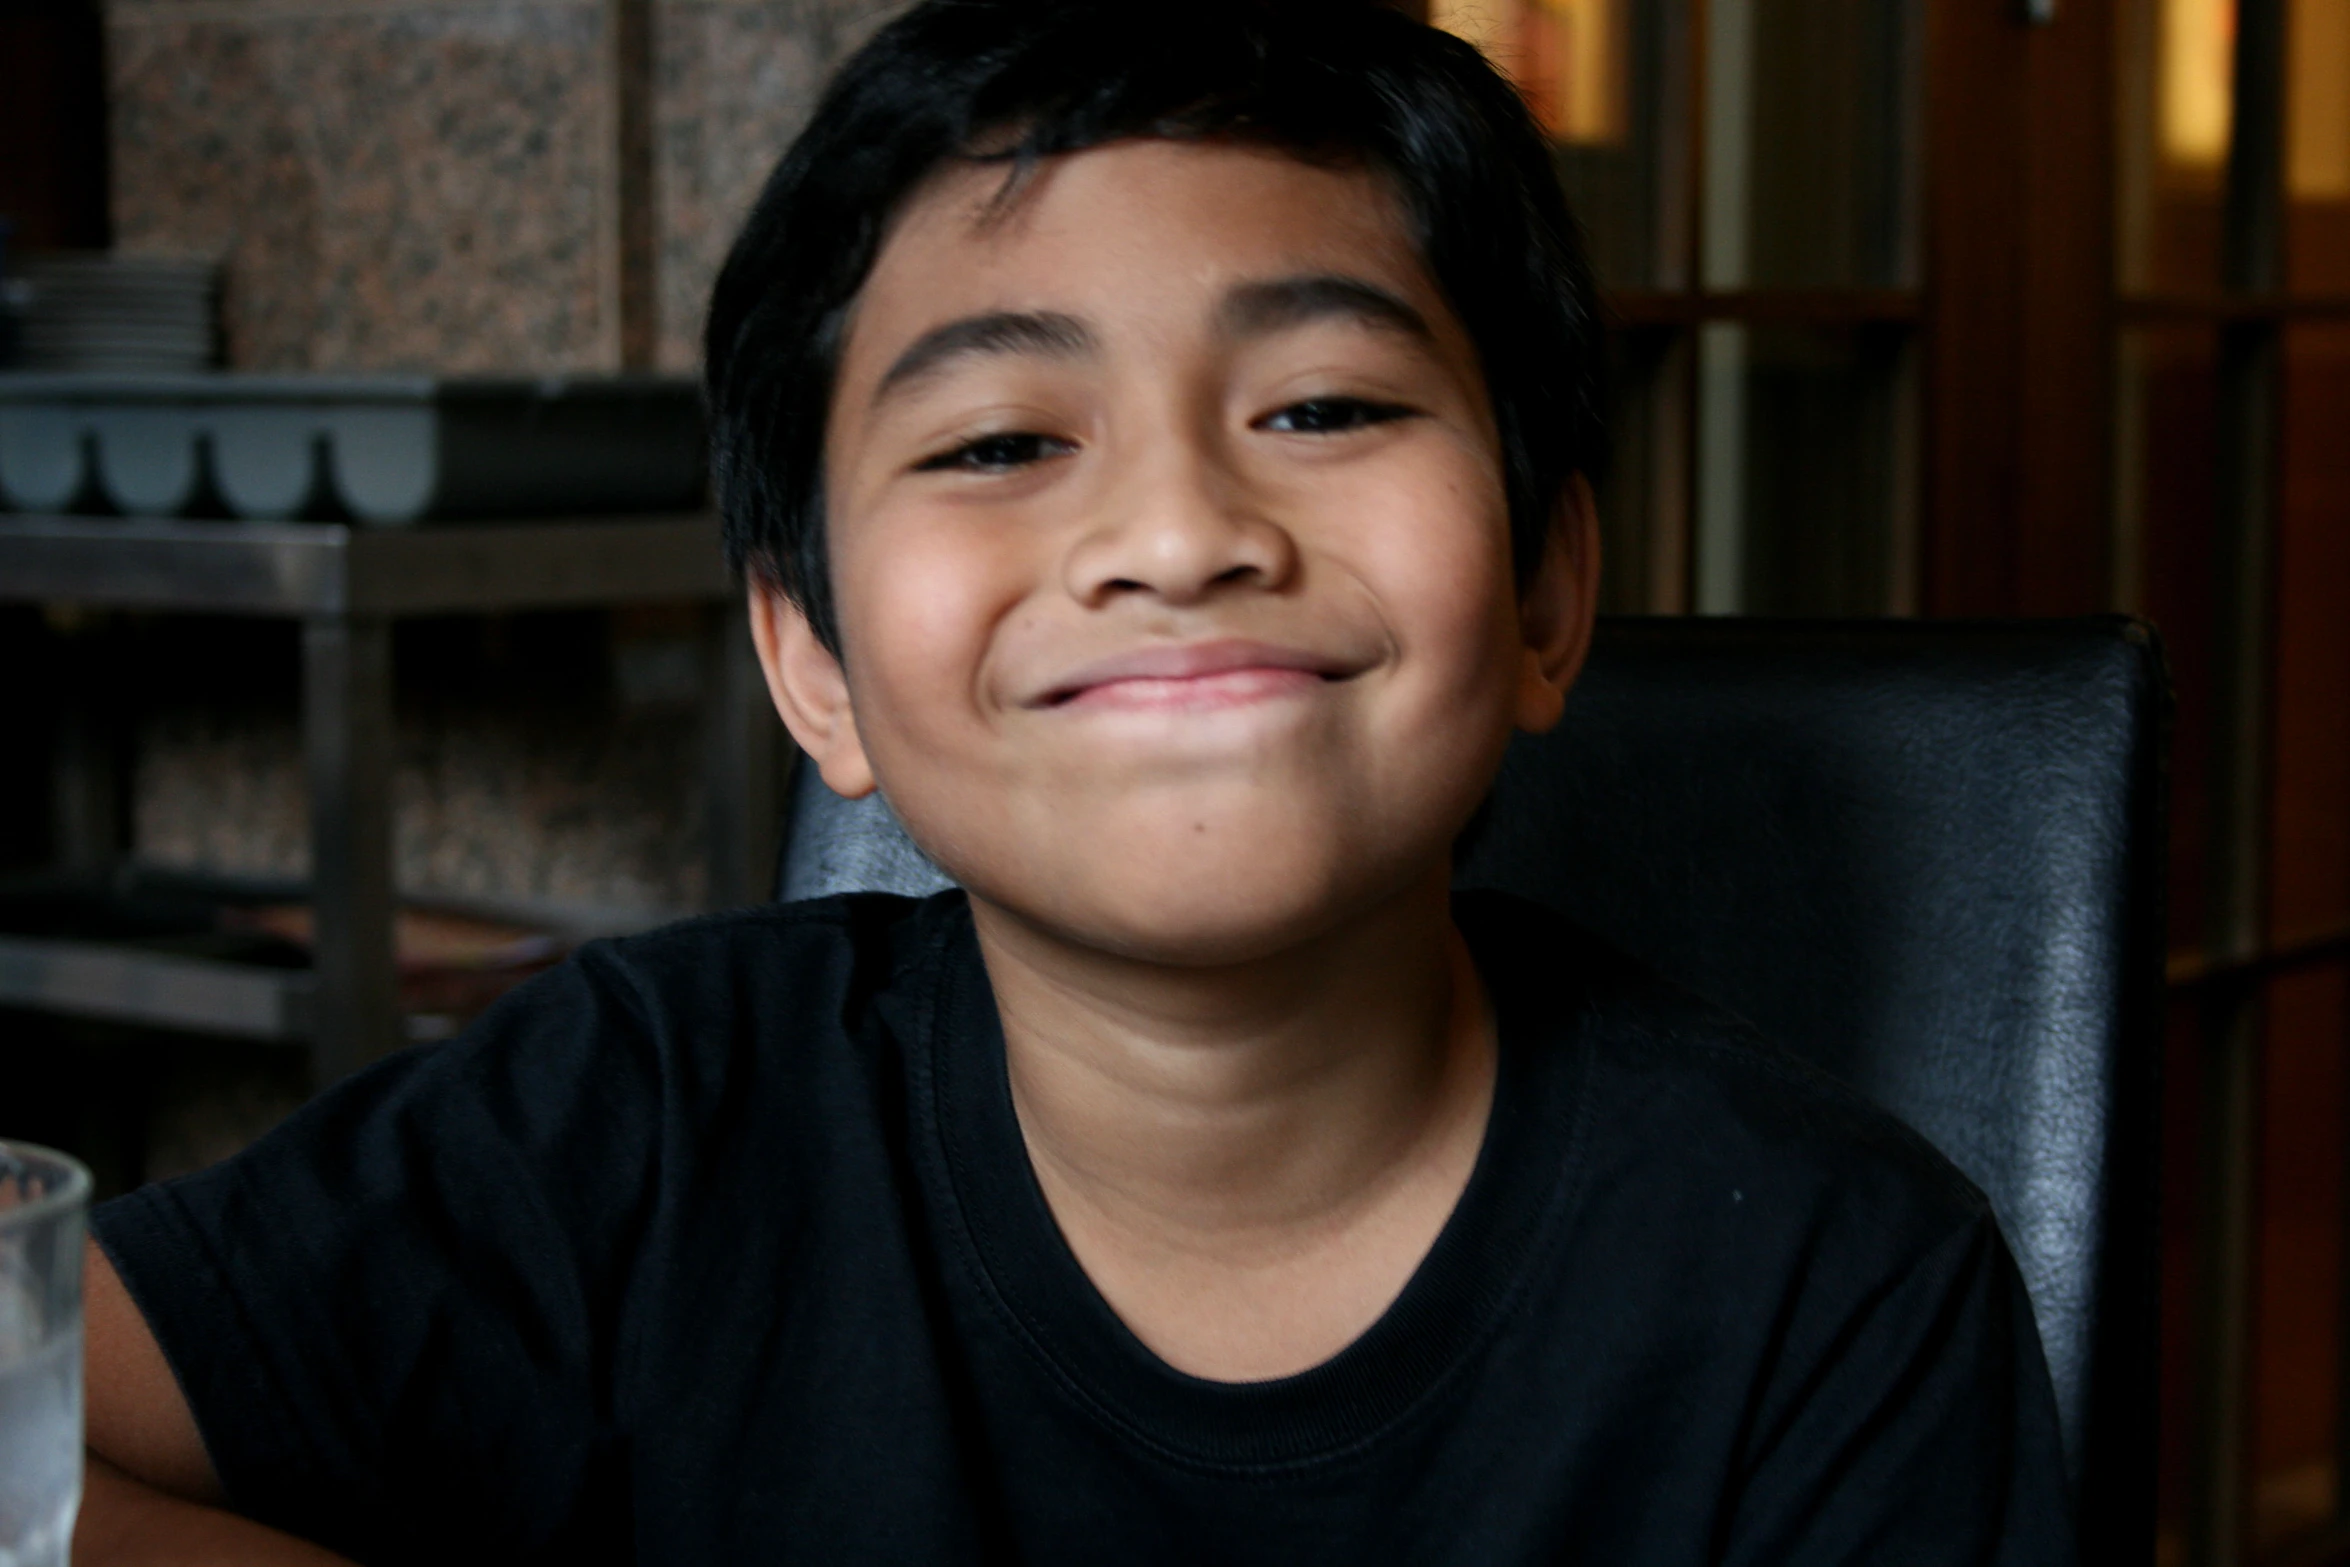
x: 1018, y: 81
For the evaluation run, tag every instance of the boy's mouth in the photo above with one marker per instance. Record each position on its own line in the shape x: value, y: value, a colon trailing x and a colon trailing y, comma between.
x: 1195, y: 674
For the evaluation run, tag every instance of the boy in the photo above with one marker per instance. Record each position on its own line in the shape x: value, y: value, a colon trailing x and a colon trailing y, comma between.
x: 1153, y: 437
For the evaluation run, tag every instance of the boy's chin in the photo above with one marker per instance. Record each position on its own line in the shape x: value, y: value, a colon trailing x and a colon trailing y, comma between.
x: 1232, y: 933
x: 1204, y: 915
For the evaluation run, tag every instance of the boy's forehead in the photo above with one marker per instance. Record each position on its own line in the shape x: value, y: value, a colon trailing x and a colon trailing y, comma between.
x: 1187, y: 180
x: 1169, y: 217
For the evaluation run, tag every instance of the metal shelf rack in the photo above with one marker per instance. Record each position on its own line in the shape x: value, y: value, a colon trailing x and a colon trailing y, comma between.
x: 346, y: 585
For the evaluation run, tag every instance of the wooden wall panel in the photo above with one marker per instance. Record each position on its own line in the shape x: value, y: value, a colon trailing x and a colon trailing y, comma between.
x: 2019, y: 248
x: 52, y: 123
x: 2309, y: 878
x: 2297, y: 1323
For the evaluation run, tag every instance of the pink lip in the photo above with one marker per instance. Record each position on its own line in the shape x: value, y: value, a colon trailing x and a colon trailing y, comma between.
x: 1196, y: 674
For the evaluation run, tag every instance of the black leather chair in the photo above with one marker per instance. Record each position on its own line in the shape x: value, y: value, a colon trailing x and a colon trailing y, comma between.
x: 1925, y: 855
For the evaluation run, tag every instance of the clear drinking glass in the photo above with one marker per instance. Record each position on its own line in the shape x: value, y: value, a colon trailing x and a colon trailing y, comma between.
x: 43, y: 1201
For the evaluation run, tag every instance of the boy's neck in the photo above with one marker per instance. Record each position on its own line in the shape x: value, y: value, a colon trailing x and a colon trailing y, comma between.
x: 1249, y: 1162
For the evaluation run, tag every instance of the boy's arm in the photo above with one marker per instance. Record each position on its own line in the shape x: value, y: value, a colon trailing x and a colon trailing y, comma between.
x: 150, y: 1495
x: 127, y: 1524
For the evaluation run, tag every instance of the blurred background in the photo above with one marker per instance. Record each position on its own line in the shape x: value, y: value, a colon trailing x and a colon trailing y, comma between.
x: 1920, y: 307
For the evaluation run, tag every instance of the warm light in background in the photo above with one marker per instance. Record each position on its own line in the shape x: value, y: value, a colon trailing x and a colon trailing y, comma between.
x: 1489, y: 24
x: 1567, y: 56
x: 2317, y: 128
x: 2198, y: 60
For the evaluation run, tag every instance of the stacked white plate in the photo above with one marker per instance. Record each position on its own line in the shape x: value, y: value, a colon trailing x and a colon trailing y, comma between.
x: 110, y: 311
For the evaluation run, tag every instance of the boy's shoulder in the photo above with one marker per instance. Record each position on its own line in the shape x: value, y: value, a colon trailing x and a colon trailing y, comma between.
x: 865, y: 919
x: 1662, y: 1069
x: 1683, y: 1101
x: 847, y: 946
x: 884, y: 925
x: 689, y: 1017
x: 1645, y: 1086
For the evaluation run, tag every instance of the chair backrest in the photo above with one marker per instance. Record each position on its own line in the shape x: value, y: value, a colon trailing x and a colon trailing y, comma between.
x: 1924, y: 855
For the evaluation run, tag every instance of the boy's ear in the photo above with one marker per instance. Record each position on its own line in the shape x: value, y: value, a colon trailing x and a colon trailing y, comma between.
x: 810, y: 690
x: 1555, y: 612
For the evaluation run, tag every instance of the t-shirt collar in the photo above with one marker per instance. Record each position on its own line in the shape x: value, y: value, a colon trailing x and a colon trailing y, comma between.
x: 1403, y: 1361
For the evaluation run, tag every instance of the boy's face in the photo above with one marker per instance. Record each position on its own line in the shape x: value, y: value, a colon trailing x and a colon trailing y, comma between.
x: 1170, y: 553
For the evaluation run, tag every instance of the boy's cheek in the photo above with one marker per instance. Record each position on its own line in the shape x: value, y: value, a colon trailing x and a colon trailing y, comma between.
x: 1450, y: 607
x: 1428, y: 531
x: 919, y: 605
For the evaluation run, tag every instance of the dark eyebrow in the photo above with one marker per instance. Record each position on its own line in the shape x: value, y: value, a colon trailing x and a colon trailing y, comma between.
x: 999, y: 332
x: 1260, y: 309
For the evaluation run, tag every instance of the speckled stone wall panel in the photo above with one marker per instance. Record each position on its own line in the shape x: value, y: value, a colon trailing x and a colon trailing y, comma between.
x: 734, y: 81
x: 570, y: 811
x: 394, y: 186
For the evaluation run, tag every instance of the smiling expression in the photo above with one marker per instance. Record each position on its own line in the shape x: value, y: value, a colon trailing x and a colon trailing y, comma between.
x: 1170, y: 551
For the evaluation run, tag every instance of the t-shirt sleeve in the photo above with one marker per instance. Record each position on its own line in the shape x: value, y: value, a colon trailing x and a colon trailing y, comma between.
x: 395, y: 1316
x: 1915, y: 1426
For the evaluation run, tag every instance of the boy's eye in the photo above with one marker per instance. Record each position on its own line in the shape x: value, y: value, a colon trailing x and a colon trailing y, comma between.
x: 1330, y: 416
x: 996, y: 453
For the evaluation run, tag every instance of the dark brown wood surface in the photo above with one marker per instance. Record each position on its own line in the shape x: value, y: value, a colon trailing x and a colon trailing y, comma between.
x: 53, y: 123
x: 2019, y: 269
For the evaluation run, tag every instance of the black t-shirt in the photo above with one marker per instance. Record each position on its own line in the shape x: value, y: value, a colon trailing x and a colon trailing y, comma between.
x: 720, y: 1244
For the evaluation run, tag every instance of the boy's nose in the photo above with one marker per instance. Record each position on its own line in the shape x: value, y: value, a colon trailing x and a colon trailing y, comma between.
x: 1179, y: 533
